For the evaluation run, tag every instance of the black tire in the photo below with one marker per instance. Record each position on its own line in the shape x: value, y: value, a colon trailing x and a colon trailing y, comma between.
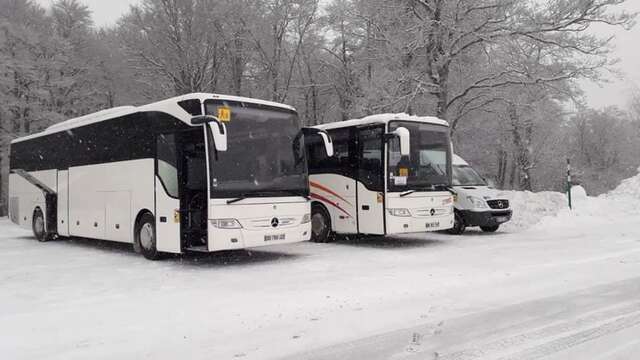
x: 38, y: 226
x: 320, y: 225
x: 458, y: 225
x: 490, y: 229
x: 145, y: 237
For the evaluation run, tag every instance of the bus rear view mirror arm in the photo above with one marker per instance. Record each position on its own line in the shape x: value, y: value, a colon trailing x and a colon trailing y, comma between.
x: 217, y: 127
x: 402, y: 133
x: 326, y: 138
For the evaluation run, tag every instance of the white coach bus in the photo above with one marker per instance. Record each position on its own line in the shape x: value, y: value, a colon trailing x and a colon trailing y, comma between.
x: 390, y: 174
x: 199, y: 172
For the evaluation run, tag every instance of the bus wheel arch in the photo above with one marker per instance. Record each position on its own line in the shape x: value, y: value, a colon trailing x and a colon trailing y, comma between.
x: 145, y: 224
x: 320, y: 223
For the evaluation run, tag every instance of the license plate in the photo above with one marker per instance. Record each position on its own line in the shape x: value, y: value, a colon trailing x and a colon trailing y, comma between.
x: 276, y: 237
x: 433, y: 225
x: 502, y: 219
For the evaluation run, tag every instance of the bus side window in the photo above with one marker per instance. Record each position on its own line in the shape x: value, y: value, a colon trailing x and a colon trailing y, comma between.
x: 339, y: 163
x: 167, y: 161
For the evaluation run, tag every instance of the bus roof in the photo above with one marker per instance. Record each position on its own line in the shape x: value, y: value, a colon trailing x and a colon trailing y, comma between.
x: 383, y: 119
x: 169, y: 106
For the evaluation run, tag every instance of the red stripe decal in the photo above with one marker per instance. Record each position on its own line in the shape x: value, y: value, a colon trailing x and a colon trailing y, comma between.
x: 324, y: 199
x: 326, y: 189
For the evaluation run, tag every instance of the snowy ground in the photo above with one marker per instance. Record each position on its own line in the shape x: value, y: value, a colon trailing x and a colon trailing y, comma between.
x: 563, y: 285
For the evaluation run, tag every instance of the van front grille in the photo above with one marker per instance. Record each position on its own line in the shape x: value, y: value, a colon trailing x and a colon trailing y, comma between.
x: 498, y: 204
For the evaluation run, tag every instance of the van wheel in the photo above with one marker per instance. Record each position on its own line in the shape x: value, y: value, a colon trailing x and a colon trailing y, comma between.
x: 490, y: 229
x: 320, y: 225
x: 458, y: 225
x: 38, y: 226
x: 146, y: 237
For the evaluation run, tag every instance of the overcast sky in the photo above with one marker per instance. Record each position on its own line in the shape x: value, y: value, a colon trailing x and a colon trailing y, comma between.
x: 627, y: 48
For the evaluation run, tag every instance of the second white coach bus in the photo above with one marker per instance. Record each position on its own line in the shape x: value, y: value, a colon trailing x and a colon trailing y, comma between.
x: 199, y: 172
x: 390, y: 174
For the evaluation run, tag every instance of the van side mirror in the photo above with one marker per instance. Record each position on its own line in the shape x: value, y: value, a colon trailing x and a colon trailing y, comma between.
x: 326, y: 138
x: 402, y: 133
x: 217, y: 127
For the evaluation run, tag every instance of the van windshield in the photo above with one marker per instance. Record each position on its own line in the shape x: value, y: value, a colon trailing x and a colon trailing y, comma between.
x: 465, y: 175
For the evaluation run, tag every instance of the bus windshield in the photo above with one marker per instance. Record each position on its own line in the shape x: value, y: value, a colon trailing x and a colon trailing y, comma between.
x: 429, y: 162
x: 265, y: 155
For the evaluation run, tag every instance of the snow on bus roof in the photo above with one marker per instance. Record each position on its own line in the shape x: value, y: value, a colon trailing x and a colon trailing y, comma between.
x: 383, y: 119
x: 206, y: 96
x: 169, y: 106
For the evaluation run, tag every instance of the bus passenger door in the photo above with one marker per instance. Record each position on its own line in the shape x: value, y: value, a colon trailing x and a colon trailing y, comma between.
x: 370, y: 176
x: 167, y: 194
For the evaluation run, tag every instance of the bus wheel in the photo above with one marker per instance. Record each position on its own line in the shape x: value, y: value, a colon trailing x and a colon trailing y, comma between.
x: 146, y: 237
x: 320, y: 225
x: 38, y: 227
x: 490, y: 229
x: 458, y: 225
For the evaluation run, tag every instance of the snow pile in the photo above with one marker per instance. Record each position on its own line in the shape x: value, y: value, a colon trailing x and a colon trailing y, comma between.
x: 628, y: 189
x: 529, y: 208
x: 546, y: 209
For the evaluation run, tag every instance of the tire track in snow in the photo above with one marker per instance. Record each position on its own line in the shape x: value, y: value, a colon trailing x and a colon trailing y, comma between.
x: 552, y: 331
x: 581, y: 337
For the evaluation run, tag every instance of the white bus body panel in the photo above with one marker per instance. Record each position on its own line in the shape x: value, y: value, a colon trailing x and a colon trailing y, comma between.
x: 370, y: 211
x: 338, y: 194
x: 421, y: 205
x: 332, y: 192
x: 167, y: 225
x: 255, y: 216
x: 105, y: 199
x: 63, y: 203
x: 24, y: 197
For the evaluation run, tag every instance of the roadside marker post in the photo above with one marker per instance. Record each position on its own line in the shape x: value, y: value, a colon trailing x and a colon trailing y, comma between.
x: 569, y: 183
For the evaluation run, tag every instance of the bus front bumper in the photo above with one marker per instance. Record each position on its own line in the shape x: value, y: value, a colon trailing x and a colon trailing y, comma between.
x: 404, y: 225
x: 231, y: 239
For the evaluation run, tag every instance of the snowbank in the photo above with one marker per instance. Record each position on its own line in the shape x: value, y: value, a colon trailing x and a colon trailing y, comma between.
x: 529, y: 208
x: 551, y: 208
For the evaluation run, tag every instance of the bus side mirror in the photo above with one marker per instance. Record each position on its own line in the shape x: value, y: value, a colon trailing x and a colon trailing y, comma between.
x: 402, y: 133
x: 217, y: 127
x: 326, y: 138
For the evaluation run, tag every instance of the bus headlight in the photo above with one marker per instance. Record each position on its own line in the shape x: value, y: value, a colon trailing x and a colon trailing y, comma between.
x: 226, y: 224
x: 306, y: 218
x: 399, y: 212
x: 477, y: 202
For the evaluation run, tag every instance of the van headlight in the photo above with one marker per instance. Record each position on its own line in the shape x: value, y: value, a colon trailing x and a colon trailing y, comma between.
x: 226, y: 224
x: 399, y: 212
x: 478, y: 203
x: 306, y: 218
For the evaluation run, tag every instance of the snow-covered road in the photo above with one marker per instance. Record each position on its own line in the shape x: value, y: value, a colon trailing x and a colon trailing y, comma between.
x: 568, y: 285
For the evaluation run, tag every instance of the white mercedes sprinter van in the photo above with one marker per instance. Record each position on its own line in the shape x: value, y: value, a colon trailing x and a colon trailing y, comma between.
x: 476, y: 203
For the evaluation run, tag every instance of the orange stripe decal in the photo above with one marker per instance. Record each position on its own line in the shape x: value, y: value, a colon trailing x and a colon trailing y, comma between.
x: 326, y: 189
x: 325, y: 200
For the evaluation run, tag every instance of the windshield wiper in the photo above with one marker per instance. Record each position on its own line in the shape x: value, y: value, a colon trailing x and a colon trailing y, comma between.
x: 408, y: 192
x: 444, y: 187
x: 296, y: 193
x: 238, y: 199
x: 268, y: 193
